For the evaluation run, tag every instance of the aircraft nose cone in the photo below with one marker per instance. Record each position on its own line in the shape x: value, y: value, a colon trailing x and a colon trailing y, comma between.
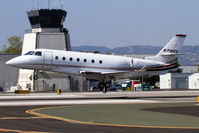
x: 10, y: 62
x: 18, y: 61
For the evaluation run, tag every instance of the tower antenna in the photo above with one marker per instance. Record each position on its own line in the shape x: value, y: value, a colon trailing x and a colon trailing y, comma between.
x: 33, y: 5
x: 61, y: 4
x: 38, y: 5
x: 48, y: 4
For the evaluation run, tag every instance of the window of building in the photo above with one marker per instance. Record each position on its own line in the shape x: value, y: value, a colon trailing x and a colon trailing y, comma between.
x: 71, y: 59
x: 38, y: 53
x: 100, y: 61
x: 78, y: 59
x: 93, y: 61
x: 63, y: 58
x: 56, y: 57
x: 85, y: 60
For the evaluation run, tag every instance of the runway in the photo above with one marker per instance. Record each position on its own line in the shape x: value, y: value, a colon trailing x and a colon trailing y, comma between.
x: 13, y: 116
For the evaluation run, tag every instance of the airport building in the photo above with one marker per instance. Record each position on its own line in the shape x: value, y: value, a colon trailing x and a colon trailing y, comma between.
x: 47, y: 32
x: 9, y: 75
x: 194, y: 81
x: 183, y: 80
x: 174, y: 81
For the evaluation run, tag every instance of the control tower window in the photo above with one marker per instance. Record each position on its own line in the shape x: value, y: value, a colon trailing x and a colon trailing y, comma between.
x: 30, y: 53
x: 38, y: 53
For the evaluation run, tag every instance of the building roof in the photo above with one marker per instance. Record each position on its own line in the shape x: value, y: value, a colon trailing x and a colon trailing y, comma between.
x: 6, y: 57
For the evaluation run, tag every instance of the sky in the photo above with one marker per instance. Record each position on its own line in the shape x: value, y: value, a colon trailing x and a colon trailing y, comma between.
x: 111, y: 23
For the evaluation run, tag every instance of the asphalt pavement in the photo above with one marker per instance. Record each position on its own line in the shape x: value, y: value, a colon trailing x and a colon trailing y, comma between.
x: 13, y: 118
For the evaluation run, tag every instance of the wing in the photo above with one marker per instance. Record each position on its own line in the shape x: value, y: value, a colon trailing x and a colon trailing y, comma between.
x: 112, y: 74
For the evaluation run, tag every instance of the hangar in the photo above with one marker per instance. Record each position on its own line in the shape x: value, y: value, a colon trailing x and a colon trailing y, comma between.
x: 9, y: 75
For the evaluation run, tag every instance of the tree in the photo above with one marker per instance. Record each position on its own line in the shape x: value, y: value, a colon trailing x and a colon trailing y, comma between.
x: 108, y: 53
x: 179, y: 70
x: 198, y: 69
x: 14, y: 45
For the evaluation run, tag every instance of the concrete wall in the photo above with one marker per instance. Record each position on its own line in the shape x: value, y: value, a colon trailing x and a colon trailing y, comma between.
x: 9, y: 75
x: 26, y: 76
x: 49, y: 81
x: 51, y: 41
x: 165, y: 81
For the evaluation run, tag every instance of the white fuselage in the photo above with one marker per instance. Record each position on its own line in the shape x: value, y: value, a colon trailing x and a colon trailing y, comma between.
x: 101, y: 66
x: 88, y: 64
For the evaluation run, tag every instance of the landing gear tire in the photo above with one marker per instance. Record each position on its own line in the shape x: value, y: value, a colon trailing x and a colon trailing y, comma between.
x: 105, y: 90
x: 101, y: 86
x: 104, y: 86
x: 107, y: 84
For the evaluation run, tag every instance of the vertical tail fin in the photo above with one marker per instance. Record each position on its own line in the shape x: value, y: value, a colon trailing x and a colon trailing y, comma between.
x: 170, y: 52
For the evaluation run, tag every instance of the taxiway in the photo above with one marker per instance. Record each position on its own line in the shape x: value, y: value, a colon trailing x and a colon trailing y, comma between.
x: 13, y: 116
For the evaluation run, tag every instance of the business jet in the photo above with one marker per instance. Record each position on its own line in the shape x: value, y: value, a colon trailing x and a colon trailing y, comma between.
x: 101, y: 67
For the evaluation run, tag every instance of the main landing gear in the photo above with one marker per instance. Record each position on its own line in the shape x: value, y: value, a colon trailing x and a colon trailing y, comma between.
x: 104, y: 86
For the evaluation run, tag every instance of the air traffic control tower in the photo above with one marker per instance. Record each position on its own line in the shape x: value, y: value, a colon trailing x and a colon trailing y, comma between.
x: 47, y: 32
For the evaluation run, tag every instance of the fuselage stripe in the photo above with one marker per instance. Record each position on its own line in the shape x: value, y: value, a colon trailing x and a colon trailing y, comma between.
x: 112, y: 68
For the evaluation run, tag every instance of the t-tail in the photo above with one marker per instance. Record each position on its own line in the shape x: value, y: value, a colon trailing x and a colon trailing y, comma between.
x: 169, y: 54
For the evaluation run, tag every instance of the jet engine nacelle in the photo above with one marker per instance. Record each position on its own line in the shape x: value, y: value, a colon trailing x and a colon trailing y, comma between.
x: 141, y: 63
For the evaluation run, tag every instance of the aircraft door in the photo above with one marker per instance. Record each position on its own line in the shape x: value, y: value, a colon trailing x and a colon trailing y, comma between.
x: 47, y: 65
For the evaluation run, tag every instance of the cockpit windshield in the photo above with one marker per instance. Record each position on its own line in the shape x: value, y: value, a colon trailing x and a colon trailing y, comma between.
x: 38, y: 53
x: 30, y: 53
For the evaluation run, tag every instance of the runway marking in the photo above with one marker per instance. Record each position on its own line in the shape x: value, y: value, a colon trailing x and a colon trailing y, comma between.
x: 20, y: 131
x: 10, y: 118
x: 73, y: 102
x: 32, y: 111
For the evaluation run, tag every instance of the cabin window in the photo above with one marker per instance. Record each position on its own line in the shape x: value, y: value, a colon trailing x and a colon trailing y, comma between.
x: 56, y: 57
x: 100, y: 61
x: 38, y: 53
x: 78, y: 59
x: 63, y: 58
x: 85, y: 60
x: 93, y: 61
x: 71, y: 59
x: 30, y: 53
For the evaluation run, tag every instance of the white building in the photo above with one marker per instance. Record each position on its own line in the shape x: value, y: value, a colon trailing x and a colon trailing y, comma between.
x: 174, y: 81
x: 194, y: 81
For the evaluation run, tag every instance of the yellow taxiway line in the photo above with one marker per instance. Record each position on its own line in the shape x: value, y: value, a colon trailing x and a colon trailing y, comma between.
x: 32, y: 111
x: 12, y: 118
x: 20, y: 131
